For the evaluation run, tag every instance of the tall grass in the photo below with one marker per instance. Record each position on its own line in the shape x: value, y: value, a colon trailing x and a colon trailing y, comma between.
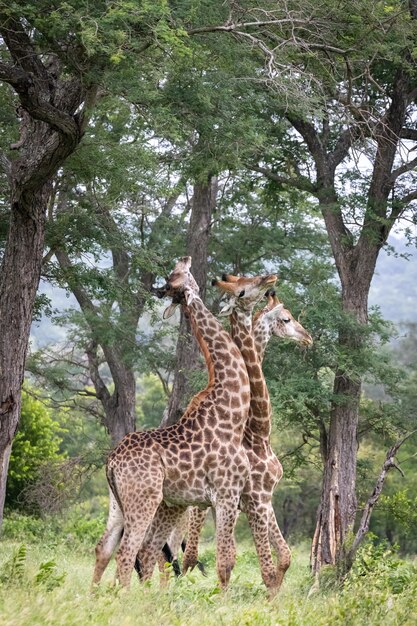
x: 48, y: 582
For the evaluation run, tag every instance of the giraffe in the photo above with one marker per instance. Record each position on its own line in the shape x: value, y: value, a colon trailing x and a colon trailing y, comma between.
x: 269, y: 321
x: 266, y: 471
x: 198, y: 461
x: 150, y: 551
x: 265, y: 468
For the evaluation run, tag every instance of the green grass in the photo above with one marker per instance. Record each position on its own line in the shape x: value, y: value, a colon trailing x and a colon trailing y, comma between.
x: 370, y: 598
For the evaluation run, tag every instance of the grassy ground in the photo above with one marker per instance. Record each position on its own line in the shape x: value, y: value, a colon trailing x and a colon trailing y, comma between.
x: 32, y: 594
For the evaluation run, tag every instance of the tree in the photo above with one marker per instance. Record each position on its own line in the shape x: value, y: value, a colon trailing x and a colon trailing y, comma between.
x: 352, y: 158
x: 53, y: 56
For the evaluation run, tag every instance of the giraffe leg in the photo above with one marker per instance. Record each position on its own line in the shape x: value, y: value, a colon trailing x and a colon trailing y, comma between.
x: 173, y: 544
x: 280, y: 546
x: 196, y: 520
x: 226, y: 516
x: 258, y: 514
x: 166, y: 517
x: 139, y: 511
x: 110, y: 539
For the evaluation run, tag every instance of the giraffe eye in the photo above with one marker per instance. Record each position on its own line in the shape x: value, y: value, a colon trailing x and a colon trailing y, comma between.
x: 242, y: 293
x: 287, y: 321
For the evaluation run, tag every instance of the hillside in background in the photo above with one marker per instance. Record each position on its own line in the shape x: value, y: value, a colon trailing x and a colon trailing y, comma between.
x: 394, y: 287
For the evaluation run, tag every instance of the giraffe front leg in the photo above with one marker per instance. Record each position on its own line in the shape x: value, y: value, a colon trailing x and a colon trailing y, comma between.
x: 258, y: 514
x: 196, y: 519
x: 226, y: 516
x: 280, y: 546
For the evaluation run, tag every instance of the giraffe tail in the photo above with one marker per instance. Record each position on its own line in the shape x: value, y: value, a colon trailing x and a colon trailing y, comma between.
x: 112, y: 484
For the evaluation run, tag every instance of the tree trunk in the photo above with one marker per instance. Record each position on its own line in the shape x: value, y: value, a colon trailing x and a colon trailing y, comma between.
x: 187, y: 352
x: 121, y: 407
x: 337, y: 510
x: 52, y: 124
x: 20, y: 274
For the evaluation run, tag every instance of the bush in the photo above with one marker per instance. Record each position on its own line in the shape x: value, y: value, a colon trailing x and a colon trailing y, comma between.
x: 37, y: 443
x: 378, y: 566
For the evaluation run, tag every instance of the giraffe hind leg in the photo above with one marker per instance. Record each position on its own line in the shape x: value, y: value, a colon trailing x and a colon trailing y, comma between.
x: 165, y: 520
x: 226, y: 516
x: 109, y: 540
x: 140, y: 502
x: 196, y: 520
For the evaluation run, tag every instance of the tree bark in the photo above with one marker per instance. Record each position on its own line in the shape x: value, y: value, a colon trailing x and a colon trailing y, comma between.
x: 51, y: 129
x: 337, y: 510
x: 187, y: 351
x: 20, y: 273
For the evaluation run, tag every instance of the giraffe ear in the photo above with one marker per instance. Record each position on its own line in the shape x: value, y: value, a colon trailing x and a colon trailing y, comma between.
x: 275, y: 312
x: 169, y: 311
x: 228, y: 307
x: 190, y: 294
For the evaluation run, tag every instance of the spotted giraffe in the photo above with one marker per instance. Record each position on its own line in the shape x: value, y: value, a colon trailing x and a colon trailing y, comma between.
x: 273, y: 319
x: 154, y: 475
x: 266, y: 470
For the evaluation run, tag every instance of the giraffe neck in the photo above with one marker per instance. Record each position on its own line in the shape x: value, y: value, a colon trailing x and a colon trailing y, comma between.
x: 260, y: 411
x: 228, y: 382
x: 261, y: 335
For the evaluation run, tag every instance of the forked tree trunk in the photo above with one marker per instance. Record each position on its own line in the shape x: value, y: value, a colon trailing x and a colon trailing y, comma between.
x: 187, y: 351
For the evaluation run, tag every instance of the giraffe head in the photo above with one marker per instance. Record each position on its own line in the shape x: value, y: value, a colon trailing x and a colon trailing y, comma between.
x: 244, y: 291
x: 180, y: 286
x: 277, y: 320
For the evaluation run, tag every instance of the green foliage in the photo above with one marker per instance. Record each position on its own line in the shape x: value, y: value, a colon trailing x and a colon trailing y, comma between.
x: 37, y: 443
x: 402, y: 508
x: 14, y: 572
x: 79, y: 526
x: 151, y: 402
x: 194, y: 599
x: 47, y: 576
x: 380, y: 563
x: 14, y: 569
x: 17, y: 526
x: 85, y: 522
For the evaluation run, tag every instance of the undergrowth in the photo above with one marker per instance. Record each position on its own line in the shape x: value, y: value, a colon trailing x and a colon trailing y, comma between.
x: 45, y: 579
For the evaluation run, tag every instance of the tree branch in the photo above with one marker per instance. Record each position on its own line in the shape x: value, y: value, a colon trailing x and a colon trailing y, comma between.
x: 81, y: 295
x: 12, y: 75
x: 300, y: 182
x: 30, y: 78
x: 388, y: 464
x: 102, y: 391
x: 229, y: 27
x: 406, y: 200
x: 403, y: 169
x: 409, y: 133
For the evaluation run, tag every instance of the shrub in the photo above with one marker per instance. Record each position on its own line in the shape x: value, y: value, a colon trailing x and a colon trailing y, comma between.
x: 37, y: 442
